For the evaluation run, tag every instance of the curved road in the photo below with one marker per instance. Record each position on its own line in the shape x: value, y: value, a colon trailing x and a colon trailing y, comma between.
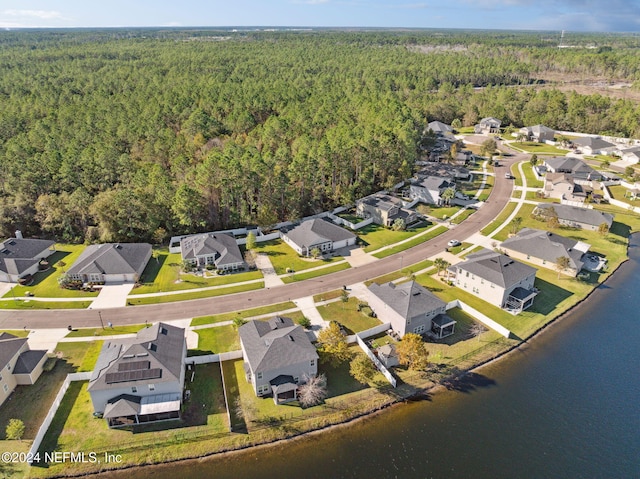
x: 500, y: 194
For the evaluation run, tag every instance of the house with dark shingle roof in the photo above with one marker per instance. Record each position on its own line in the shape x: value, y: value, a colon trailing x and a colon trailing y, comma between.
x: 428, y: 190
x: 140, y: 380
x: 317, y: 233
x: 20, y: 257
x: 278, y: 356
x: 539, y: 133
x: 497, y: 279
x: 410, y: 308
x: 543, y: 248
x: 573, y: 216
x: 19, y: 365
x: 488, y: 125
x: 219, y: 249
x: 384, y: 209
x: 578, y: 169
x: 111, y: 263
x: 591, y: 145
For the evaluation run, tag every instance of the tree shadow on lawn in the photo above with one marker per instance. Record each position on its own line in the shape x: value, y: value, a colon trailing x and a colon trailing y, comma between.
x: 549, y: 297
x: 620, y: 229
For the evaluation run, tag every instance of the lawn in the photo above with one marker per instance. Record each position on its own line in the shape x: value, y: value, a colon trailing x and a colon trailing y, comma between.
x: 376, y: 236
x: 532, y: 181
x: 315, y: 273
x: 90, y: 332
x: 282, y: 256
x: 218, y: 339
x: 410, y: 244
x: 247, y: 313
x: 618, y: 192
x: 169, y: 298
x: 458, y: 249
x: 470, y: 188
x: 347, y: 314
x: 443, y: 212
x: 351, y: 217
x: 26, y: 304
x: 495, y: 224
x: 45, y: 283
x: 538, y: 148
x: 163, y: 274
x: 20, y: 333
x: 336, y: 293
x: 533, y: 196
x: 463, y: 216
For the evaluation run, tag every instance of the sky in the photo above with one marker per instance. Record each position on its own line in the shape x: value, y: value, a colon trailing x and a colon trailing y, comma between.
x: 571, y: 15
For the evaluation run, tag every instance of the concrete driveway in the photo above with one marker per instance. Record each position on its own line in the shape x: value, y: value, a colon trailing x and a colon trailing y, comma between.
x: 112, y: 296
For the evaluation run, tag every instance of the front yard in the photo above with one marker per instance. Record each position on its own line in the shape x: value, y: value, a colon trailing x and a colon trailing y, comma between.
x: 347, y: 315
x: 375, y: 236
x: 538, y: 148
x: 282, y: 257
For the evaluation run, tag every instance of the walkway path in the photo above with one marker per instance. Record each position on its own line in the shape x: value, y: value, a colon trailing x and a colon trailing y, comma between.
x: 308, y: 307
x: 271, y: 279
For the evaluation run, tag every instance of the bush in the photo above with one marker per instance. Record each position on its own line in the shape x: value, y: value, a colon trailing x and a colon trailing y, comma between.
x: 304, y: 322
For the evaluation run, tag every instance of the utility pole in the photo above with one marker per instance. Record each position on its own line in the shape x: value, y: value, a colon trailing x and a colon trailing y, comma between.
x: 101, y: 322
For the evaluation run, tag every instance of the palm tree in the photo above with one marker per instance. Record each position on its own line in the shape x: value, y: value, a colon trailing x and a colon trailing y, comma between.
x: 448, y: 194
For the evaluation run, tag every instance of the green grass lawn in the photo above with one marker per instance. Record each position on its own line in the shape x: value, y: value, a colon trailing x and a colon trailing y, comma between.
x: 376, y: 236
x: 618, y: 192
x: 336, y: 293
x: 314, y: 274
x: 133, y: 301
x: 470, y: 188
x: 532, y: 181
x: 218, y: 339
x: 163, y: 274
x: 410, y: 244
x: 538, y: 148
x: 443, y: 212
x: 348, y: 315
x: 463, y: 216
x: 458, y: 249
x: 89, y: 332
x: 26, y: 304
x: 515, y: 172
x: 283, y: 257
x: 20, y: 333
x: 533, y: 196
x: 495, y: 224
x: 247, y: 313
x: 349, y: 217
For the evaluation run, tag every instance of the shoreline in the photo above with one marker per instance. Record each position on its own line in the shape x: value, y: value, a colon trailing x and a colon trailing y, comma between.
x: 416, y: 396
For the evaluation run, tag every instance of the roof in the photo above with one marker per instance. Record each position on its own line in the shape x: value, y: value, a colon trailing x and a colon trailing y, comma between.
x: 155, y: 355
x: 222, y: 245
x: 577, y: 215
x: 9, y: 347
x: 122, y: 405
x: 538, y: 129
x: 388, y: 350
x: 432, y: 183
x: 547, y: 246
x: 443, y: 170
x: 490, y: 120
x: 439, y: 127
x: 112, y: 258
x: 19, y: 254
x: 407, y: 299
x: 28, y: 361
x: 594, y: 143
x: 574, y: 166
x: 317, y: 231
x: 496, y: 268
x: 275, y: 344
x: 382, y: 201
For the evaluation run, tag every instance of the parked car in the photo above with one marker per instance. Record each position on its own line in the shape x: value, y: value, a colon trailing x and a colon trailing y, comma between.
x: 509, y: 176
x: 453, y: 243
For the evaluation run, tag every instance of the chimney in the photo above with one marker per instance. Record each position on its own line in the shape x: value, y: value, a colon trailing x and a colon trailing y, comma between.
x: 18, y: 234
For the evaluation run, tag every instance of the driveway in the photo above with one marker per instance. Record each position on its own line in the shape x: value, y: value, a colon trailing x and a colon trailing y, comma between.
x: 112, y: 296
x: 271, y: 279
x: 356, y: 256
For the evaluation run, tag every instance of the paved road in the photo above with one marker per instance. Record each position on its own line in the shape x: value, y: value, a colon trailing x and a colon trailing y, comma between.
x: 498, y: 198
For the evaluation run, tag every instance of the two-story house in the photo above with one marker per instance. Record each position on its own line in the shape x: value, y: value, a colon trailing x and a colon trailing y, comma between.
x: 429, y: 190
x: 384, y: 209
x: 19, y: 365
x: 487, y: 126
x: 539, y: 133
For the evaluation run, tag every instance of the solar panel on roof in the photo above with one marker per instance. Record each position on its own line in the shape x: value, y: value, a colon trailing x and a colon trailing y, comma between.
x: 137, y: 375
x: 132, y: 366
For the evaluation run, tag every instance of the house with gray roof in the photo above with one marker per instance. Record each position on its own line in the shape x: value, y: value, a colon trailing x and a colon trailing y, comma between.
x: 539, y: 133
x: 573, y: 216
x: 578, y: 169
x: 111, y: 263
x: 218, y: 249
x: 630, y: 155
x: 497, y: 279
x: 410, y: 308
x: 429, y: 190
x: 278, y: 356
x: 562, y: 186
x: 317, y: 233
x: 20, y: 257
x: 140, y: 380
x: 384, y: 209
x: 487, y: 126
x: 591, y: 145
x: 543, y: 248
x: 19, y: 365
x: 439, y: 128
x: 443, y: 170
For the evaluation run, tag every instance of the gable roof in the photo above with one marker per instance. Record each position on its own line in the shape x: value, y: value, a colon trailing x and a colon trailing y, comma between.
x: 594, y: 143
x: 575, y: 214
x: 155, y: 355
x: 490, y: 121
x: 382, y: 201
x: 223, y: 245
x: 9, y: 347
x: 496, y: 268
x: 112, y: 258
x: 27, y: 361
x: 407, y: 299
x: 443, y: 170
x: 538, y: 129
x: 439, y: 127
x: 434, y: 183
x: 316, y: 231
x: 574, y: 166
x: 547, y: 246
x: 275, y: 344
x: 19, y: 254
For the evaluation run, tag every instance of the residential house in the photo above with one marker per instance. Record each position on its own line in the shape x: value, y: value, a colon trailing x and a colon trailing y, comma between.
x: 278, y: 356
x: 442, y: 130
x: 317, y: 233
x: 631, y: 155
x: 573, y: 216
x: 19, y: 365
x: 578, y: 169
x: 443, y: 170
x: 20, y: 257
x: 543, y: 248
x: 218, y: 249
x: 111, y: 263
x: 140, y: 380
x: 561, y: 186
x: 590, y: 145
x: 487, y: 126
x: 539, y: 133
x: 497, y: 279
x: 429, y: 190
x: 384, y: 209
x: 410, y: 308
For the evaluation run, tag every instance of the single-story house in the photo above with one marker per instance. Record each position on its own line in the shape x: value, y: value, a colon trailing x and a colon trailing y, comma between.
x: 591, y: 145
x: 561, y: 186
x: 631, y: 155
x: 578, y: 169
x: 317, y: 233
x: 111, y: 263
x: 488, y: 125
x: 497, y: 279
x: 443, y: 170
x: 539, y: 133
x: 543, y: 248
x: 140, y: 380
x: 278, y: 356
x: 429, y: 190
x: 19, y: 365
x: 219, y: 249
x: 410, y: 308
x: 20, y: 257
x: 384, y: 209
x: 573, y: 216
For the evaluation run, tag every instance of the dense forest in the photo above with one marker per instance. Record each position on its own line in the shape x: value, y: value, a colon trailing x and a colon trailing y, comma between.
x: 125, y: 135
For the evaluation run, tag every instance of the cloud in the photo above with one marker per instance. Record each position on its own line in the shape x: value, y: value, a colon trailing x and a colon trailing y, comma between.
x: 42, y: 14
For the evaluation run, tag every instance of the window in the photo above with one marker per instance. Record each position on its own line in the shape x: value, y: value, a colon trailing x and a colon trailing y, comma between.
x: 134, y: 389
x: 263, y: 389
x: 0, y: 377
x: 313, y: 362
x: 296, y: 379
x: 419, y: 329
x: 259, y: 375
x: 152, y: 387
x: 467, y: 274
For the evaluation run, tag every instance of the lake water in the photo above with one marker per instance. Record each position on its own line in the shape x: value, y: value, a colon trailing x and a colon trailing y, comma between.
x: 565, y: 406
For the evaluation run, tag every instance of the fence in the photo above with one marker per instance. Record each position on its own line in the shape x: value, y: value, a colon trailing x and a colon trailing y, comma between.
x: 53, y: 409
x: 614, y: 202
x: 369, y: 332
x: 349, y: 224
x: 214, y: 358
x: 480, y: 317
x: 385, y: 372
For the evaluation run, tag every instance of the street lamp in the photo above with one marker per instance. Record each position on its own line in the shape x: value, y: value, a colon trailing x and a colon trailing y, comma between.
x: 101, y: 322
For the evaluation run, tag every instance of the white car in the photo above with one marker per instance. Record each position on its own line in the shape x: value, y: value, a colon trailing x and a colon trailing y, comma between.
x: 453, y: 243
